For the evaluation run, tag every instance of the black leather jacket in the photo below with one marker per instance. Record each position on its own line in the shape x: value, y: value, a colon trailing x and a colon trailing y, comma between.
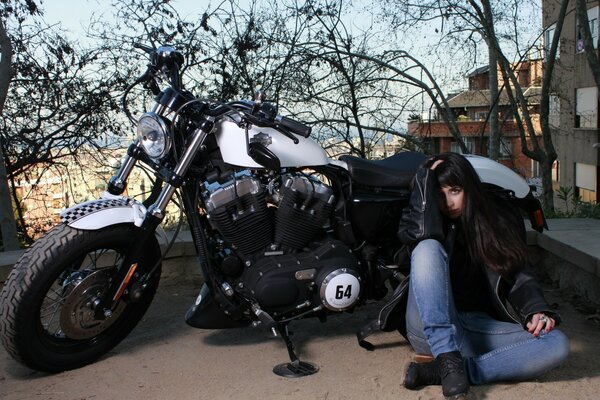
x: 422, y: 219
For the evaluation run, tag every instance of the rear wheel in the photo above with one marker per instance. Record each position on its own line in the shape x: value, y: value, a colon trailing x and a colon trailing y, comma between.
x: 47, y: 305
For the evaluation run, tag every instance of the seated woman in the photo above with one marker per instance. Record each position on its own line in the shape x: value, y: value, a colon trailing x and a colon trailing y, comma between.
x: 469, y: 259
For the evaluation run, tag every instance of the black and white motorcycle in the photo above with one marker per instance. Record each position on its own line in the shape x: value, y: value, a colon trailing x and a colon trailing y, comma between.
x: 282, y: 232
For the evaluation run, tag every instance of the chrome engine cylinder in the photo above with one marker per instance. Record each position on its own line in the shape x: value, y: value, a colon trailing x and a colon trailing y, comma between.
x: 304, y: 207
x: 239, y: 211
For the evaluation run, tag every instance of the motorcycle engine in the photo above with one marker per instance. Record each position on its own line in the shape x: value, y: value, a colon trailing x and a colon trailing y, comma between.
x: 328, y: 275
x: 272, y: 231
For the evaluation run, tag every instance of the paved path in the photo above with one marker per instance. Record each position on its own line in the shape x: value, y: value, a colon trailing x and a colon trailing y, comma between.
x: 165, y: 359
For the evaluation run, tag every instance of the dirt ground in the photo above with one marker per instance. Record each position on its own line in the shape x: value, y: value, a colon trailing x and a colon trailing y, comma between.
x: 166, y: 359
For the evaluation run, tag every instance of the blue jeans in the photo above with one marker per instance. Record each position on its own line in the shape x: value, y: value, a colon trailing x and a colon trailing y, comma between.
x: 493, y: 350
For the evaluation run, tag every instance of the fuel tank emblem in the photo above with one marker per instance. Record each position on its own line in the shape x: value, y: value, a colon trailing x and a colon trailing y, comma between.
x: 262, y: 138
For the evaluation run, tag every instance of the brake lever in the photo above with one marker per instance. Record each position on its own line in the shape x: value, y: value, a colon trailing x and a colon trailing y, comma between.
x: 287, y: 133
x: 268, y: 124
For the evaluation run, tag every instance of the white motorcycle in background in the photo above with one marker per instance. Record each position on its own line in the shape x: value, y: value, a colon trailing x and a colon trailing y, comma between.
x: 282, y: 232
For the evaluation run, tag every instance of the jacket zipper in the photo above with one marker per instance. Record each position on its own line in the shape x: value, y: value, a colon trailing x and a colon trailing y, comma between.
x: 502, y: 304
x: 423, y: 191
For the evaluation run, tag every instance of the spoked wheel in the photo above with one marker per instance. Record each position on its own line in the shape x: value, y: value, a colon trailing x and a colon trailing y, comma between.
x: 48, y: 319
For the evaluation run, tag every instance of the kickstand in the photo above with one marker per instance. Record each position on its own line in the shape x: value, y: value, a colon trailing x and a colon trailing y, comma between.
x: 295, y: 368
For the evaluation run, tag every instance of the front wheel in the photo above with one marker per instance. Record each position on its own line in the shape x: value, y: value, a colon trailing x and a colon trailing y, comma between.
x: 47, y: 319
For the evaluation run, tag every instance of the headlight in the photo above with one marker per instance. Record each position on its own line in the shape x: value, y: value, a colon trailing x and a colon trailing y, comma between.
x: 153, y: 135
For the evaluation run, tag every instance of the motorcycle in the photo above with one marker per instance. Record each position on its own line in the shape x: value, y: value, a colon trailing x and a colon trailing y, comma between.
x: 282, y: 232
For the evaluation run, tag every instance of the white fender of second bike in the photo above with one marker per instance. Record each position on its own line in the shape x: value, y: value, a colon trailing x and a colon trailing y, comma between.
x: 493, y: 172
x: 489, y: 171
x: 232, y: 143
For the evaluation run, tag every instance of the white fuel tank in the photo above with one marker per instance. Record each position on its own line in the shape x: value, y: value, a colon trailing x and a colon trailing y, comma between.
x: 232, y: 142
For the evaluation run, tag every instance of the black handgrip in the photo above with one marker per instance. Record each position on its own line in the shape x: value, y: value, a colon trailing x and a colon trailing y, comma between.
x: 147, y: 49
x: 294, y: 126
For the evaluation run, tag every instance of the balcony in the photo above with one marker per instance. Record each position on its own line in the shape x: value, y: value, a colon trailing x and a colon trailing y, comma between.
x: 436, y: 128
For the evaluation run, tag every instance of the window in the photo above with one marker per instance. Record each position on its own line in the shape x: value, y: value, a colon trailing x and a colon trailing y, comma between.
x: 586, y: 107
x: 555, y: 171
x: 554, y: 111
x: 506, y: 148
x: 480, y: 115
x: 585, y: 182
x: 535, y: 169
x: 592, y: 15
x: 469, y: 142
x: 430, y: 145
x: 548, y: 37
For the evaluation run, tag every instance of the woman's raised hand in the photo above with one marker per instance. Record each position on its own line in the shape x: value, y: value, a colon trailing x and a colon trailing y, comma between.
x: 435, y: 164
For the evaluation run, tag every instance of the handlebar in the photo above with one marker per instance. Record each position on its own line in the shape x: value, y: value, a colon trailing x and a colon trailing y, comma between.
x: 294, y: 126
x: 168, y: 60
x: 285, y: 125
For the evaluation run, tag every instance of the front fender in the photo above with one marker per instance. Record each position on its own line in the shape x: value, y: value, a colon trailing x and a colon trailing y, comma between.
x: 97, y: 214
x: 108, y: 210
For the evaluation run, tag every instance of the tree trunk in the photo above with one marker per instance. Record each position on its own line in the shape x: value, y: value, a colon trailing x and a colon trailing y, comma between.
x: 8, y: 226
x: 546, y: 164
x: 494, y: 140
x: 548, y: 194
x: 590, y: 51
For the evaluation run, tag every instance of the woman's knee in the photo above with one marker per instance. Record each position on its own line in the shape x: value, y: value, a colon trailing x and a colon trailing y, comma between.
x: 559, y: 347
x: 427, y: 254
x: 428, y: 247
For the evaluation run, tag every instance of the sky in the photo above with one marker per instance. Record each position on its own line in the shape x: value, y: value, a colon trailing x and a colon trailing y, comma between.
x: 74, y: 16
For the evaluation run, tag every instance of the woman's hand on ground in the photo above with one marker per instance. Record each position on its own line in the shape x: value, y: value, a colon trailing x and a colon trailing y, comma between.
x: 540, y: 321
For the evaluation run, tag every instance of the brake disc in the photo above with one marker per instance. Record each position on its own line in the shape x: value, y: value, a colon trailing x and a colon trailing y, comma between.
x: 77, y: 317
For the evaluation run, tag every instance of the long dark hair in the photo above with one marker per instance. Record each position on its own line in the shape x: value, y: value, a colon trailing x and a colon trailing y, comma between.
x: 491, y: 237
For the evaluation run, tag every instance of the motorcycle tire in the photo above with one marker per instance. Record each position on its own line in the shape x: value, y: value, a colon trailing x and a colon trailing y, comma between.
x: 47, y: 321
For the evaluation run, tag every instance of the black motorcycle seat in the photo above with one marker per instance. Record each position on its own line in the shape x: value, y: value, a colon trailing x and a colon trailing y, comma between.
x: 395, y: 171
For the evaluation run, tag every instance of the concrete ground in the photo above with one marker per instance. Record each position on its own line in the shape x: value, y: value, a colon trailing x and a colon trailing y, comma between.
x: 165, y: 359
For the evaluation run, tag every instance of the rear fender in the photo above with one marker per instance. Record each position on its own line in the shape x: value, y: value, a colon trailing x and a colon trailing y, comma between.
x: 493, y: 172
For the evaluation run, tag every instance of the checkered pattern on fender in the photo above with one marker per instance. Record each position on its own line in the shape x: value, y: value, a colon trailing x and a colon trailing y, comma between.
x: 79, y: 211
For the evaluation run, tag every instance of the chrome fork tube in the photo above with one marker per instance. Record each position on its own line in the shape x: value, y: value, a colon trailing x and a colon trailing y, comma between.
x: 118, y: 182
x: 158, y: 208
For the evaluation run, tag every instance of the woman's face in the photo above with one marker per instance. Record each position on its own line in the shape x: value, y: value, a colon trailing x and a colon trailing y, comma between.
x: 452, y: 201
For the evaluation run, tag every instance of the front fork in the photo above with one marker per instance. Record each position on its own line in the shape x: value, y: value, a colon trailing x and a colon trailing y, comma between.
x: 154, y: 215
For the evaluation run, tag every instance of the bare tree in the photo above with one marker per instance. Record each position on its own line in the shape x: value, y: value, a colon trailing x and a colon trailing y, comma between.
x: 465, y: 19
x: 59, y: 104
x: 8, y: 228
x: 233, y: 50
x: 539, y: 149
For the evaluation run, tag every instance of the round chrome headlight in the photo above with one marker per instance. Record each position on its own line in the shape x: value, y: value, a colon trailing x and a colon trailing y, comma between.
x: 153, y: 134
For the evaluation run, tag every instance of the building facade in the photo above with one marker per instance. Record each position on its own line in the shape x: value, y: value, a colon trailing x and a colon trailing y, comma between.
x: 471, y: 108
x: 45, y: 192
x: 574, y: 103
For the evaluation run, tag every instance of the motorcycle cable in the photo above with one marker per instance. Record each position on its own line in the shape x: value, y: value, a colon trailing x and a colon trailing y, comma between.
x: 177, y: 115
x: 146, y: 77
x: 310, y: 197
x: 170, y: 243
x: 255, y: 120
x: 303, y: 314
